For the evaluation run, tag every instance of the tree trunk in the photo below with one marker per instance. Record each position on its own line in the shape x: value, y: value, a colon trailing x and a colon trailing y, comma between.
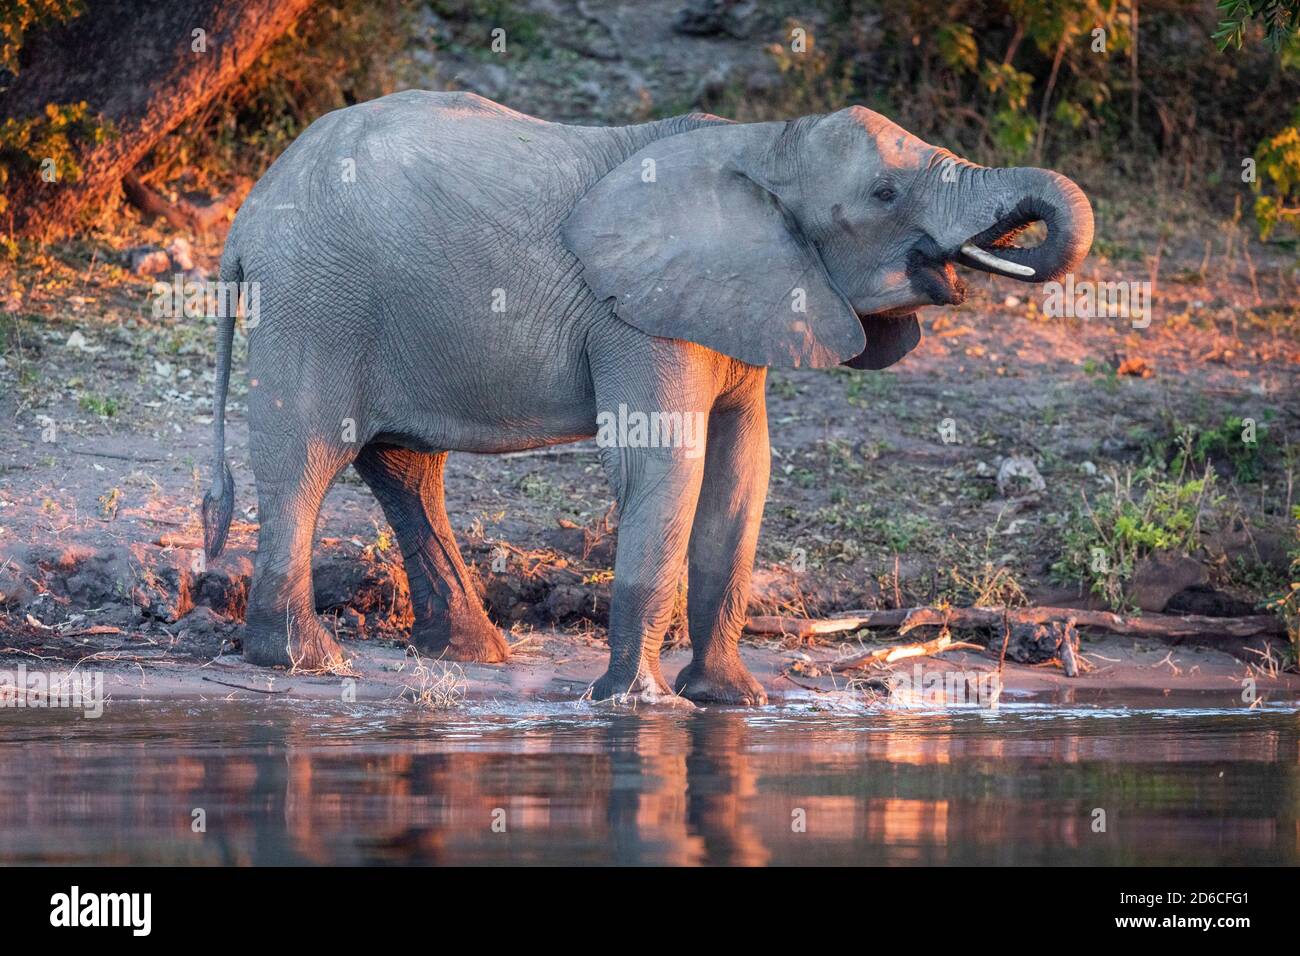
x: 140, y: 64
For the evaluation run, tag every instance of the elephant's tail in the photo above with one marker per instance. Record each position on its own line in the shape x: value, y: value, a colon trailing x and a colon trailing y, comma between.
x: 219, y: 502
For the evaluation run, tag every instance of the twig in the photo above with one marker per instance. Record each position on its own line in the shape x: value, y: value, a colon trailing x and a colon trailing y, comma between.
x: 255, y: 690
x: 114, y: 455
x: 887, y: 655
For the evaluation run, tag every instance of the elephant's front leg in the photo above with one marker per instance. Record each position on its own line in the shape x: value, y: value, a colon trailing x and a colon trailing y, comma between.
x: 657, y: 490
x: 722, y: 547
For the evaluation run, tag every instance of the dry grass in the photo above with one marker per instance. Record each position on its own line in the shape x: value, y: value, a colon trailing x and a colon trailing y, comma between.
x: 435, y: 684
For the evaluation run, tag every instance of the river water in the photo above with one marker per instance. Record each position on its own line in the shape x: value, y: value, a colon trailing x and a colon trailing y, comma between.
x: 273, y: 782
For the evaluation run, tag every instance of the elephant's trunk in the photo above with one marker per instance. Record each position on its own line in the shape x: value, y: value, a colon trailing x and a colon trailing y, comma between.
x: 1003, y: 203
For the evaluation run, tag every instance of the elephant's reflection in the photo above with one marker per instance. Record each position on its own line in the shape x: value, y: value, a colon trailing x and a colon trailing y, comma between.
x: 643, y: 787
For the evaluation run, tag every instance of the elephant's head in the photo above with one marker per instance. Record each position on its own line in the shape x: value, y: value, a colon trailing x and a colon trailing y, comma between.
x: 811, y: 242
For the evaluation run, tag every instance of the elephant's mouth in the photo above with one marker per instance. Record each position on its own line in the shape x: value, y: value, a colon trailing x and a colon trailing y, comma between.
x: 935, y: 278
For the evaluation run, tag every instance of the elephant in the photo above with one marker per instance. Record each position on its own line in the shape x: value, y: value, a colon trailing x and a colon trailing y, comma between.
x: 439, y: 273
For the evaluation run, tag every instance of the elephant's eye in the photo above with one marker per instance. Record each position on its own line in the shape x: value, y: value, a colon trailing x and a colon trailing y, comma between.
x: 885, y: 193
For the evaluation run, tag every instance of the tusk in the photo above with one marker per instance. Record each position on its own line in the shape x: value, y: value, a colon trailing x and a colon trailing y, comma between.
x: 993, y: 262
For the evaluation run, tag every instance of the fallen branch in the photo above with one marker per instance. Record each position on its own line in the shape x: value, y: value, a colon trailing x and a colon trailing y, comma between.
x: 809, y: 627
x: 177, y: 541
x: 91, y: 631
x: 887, y: 655
x: 905, y: 619
x: 183, y: 214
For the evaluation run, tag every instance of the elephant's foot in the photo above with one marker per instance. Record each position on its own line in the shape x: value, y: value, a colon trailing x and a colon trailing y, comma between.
x: 469, y: 637
x: 301, y: 644
x: 720, y: 681
x: 646, y: 687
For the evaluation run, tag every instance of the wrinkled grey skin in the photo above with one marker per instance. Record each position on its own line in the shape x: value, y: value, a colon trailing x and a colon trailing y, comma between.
x: 665, y: 286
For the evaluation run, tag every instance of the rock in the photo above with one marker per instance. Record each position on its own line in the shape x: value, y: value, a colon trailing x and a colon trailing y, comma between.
x: 1135, y: 366
x: 591, y: 91
x: 148, y: 260
x: 713, y: 85
x: 353, y: 620
x: 1209, y: 602
x: 377, y: 589
x: 78, y: 341
x: 205, y: 621
x: 567, y: 602
x: 487, y: 79
x: 1018, y: 477
x: 1252, y: 546
x: 761, y: 82
x: 224, y: 588
x: 181, y: 254
x: 14, y: 589
x: 734, y: 18
x: 1158, y: 577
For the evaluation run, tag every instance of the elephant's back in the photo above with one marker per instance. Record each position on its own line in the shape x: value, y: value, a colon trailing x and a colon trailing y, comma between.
x: 415, y: 149
x: 453, y: 158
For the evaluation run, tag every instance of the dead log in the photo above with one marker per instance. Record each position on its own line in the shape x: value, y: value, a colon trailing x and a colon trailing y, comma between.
x: 1167, y: 626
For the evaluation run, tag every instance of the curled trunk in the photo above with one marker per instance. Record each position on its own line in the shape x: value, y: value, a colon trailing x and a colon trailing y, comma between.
x: 1005, y: 202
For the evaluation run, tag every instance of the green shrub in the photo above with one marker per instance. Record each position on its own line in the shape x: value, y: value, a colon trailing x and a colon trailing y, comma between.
x: 19, y: 16
x: 1238, y: 445
x: 1278, y: 159
x: 30, y: 146
x: 1141, y: 515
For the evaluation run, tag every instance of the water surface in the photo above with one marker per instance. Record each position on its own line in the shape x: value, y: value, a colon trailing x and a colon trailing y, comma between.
x: 313, y: 783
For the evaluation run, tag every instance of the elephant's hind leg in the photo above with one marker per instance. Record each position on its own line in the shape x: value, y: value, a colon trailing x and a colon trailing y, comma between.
x: 281, y: 627
x: 449, y: 618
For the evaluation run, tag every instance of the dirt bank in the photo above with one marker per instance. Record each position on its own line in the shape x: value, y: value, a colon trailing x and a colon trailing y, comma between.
x: 553, y: 666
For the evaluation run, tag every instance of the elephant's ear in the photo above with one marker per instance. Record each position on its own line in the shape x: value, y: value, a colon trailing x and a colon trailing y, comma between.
x: 691, y: 247
x: 888, y: 340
